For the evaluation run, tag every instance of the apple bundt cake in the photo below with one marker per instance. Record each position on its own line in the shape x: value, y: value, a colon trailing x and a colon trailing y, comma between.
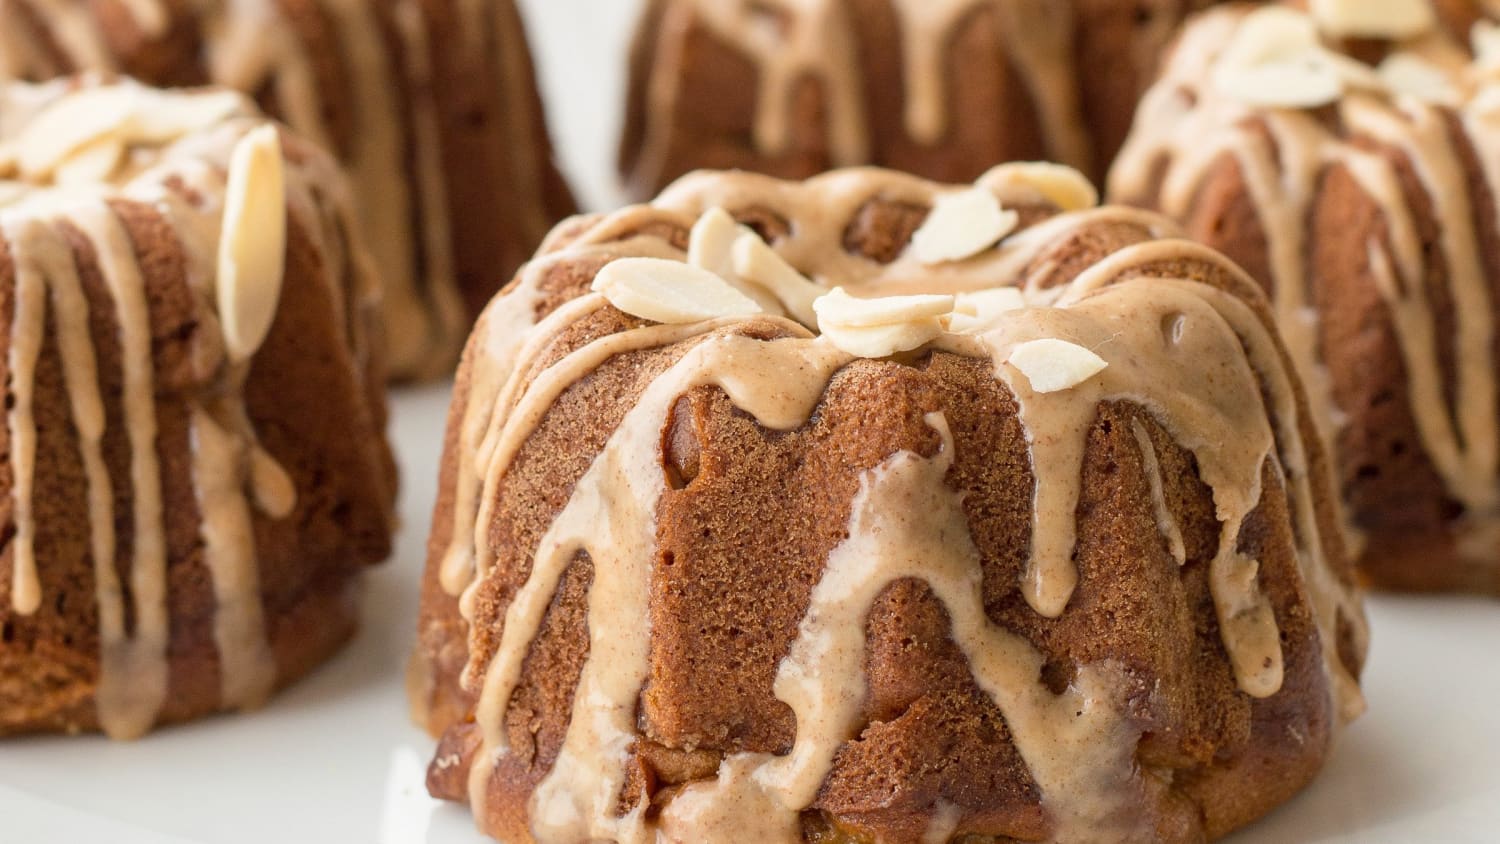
x: 193, y: 469
x: 796, y: 88
x: 1362, y: 194
x: 430, y: 104
x: 867, y: 508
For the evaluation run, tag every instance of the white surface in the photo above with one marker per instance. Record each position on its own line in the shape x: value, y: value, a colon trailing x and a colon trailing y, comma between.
x: 334, y: 760
x: 580, y: 48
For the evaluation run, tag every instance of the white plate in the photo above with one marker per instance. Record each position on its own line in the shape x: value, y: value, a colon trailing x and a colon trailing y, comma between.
x: 334, y: 759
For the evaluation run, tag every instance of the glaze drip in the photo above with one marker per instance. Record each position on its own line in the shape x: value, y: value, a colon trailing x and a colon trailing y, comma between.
x: 906, y: 523
x: 1165, y: 521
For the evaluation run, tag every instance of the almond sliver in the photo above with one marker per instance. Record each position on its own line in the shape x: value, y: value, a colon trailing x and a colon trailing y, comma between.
x: 961, y: 226
x: 883, y: 340
x: 1052, y: 365
x: 757, y: 263
x: 252, y: 246
x: 670, y: 291
x: 838, y: 308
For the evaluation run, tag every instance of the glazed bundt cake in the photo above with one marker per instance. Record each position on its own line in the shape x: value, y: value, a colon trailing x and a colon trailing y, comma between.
x: 1363, y: 195
x: 796, y: 88
x: 430, y: 104
x: 194, y: 466
x: 871, y: 509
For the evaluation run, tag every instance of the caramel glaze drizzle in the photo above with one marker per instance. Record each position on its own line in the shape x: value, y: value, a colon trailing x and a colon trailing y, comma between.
x: 1202, y: 381
x: 1184, y: 130
x: 393, y: 149
x: 184, y: 180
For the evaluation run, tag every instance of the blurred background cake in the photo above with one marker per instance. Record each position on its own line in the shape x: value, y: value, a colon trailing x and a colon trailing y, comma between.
x: 1346, y: 155
x: 195, y: 468
x: 430, y: 104
x: 941, y: 89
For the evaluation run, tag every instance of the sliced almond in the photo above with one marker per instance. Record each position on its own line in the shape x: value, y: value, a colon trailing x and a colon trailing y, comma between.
x: 961, y: 226
x: 252, y: 245
x: 756, y: 262
x: 1052, y: 365
x: 1269, y: 35
x: 162, y: 117
x: 1058, y: 184
x: 1407, y: 74
x: 94, y: 162
x: 992, y: 302
x: 670, y: 291
x: 883, y: 340
x: 1303, y: 82
x: 1356, y: 74
x: 1276, y: 60
x: 837, y: 308
x: 70, y: 123
x: 711, y: 246
x: 711, y: 241
x: 1387, y: 19
x: 130, y: 113
x: 982, y: 309
x: 1484, y: 39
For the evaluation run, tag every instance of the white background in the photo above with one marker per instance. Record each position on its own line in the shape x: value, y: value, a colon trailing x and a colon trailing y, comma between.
x: 334, y: 760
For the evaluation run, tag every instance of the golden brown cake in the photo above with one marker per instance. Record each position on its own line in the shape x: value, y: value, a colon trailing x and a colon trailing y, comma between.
x: 1363, y: 195
x: 871, y: 509
x: 194, y: 465
x: 430, y: 104
x: 796, y: 88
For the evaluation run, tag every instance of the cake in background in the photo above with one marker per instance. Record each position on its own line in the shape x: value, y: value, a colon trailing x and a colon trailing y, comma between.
x: 941, y: 89
x: 430, y: 104
x: 195, y: 469
x: 1037, y: 475
x: 1346, y: 155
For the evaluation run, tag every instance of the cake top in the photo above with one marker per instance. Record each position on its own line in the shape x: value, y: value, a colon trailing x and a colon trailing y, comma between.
x: 767, y: 290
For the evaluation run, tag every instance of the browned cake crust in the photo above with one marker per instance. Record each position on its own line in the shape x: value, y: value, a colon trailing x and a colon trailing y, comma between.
x: 431, y: 104
x: 1405, y: 378
x: 884, y: 82
x: 749, y: 517
x: 313, y: 395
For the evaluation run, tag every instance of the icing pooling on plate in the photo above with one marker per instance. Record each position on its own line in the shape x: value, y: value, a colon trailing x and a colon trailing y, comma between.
x: 1196, y: 358
x: 185, y: 178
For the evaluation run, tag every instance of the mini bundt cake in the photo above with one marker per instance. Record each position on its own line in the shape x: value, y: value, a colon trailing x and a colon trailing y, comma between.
x: 796, y: 88
x: 430, y: 104
x: 869, y: 509
x: 194, y: 467
x: 1363, y: 195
